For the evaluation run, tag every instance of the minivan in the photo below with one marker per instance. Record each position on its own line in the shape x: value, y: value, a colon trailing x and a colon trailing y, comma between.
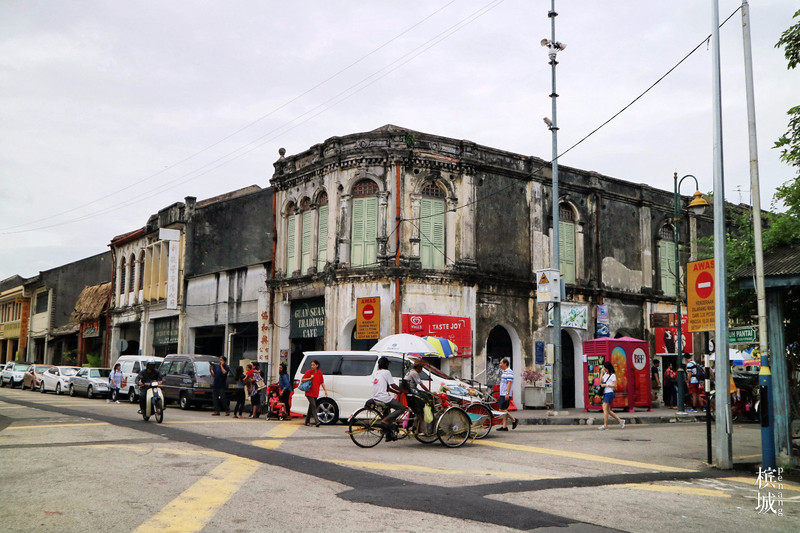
x: 348, y: 380
x: 188, y: 379
x: 131, y: 365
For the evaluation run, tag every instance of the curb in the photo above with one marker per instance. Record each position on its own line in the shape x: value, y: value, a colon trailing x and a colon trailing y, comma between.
x: 592, y: 421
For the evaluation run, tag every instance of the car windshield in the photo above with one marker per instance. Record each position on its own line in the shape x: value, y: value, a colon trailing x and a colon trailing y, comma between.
x: 99, y: 372
x: 21, y: 368
x: 69, y: 371
x: 202, y: 368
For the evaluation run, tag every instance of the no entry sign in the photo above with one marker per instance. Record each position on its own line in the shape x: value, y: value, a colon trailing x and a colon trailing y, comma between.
x: 700, y: 295
x: 368, y: 318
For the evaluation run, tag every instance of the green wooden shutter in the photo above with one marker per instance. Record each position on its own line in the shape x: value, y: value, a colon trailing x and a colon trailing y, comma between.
x: 322, y: 238
x: 357, y: 233
x: 305, y: 250
x: 431, y: 229
x: 370, y: 231
x: 566, y: 251
x: 666, y: 258
x: 291, y: 263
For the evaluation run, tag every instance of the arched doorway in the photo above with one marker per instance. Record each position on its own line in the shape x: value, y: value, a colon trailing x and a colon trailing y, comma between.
x: 498, y: 345
x: 567, y: 371
x: 360, y: 344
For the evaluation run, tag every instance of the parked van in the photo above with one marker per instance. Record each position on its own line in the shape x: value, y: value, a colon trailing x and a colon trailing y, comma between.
x: 348, y: 380
x: 188, y: 379
x: 131, y: 365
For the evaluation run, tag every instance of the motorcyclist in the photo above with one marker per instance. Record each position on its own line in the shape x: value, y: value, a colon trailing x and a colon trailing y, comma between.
x: 143, y: 380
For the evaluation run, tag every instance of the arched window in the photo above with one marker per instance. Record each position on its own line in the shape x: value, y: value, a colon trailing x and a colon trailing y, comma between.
x: 132, y: 277
x: 141, y: 270
x: 291, y: 257
x: 306, y: 218
x: 431, y: 226
x: 566, y: 242
x: 123, y: 270
x: 666, y: 259
x: 364, y: 233
x: 322, y: 230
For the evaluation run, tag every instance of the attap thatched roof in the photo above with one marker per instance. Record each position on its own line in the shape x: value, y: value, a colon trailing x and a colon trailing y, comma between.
x: 91, y: 302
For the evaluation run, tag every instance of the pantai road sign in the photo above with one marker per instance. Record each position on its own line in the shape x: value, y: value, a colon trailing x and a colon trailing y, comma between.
x: 742, y: 335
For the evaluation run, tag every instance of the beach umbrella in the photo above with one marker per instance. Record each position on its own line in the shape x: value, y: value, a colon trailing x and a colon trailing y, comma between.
x: 403, y: 343
x: 444, y: 347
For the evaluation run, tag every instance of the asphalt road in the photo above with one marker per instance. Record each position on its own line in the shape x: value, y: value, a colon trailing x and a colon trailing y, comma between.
x: 72, y: 464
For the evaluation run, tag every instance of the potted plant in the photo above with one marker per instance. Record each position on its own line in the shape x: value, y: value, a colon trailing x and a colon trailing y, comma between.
x: 533, y: 392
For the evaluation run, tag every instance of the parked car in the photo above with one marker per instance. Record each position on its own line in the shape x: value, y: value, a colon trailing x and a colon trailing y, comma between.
x: 33, y: 376
x: 348, y: 380
x: 90, y: 381
x: 131, y: 365
x: 188, y: 379
x: 56, y: 379
x: 13, y: 373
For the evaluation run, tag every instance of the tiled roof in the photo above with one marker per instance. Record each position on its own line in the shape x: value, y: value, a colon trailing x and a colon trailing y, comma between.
x: 779, y: 262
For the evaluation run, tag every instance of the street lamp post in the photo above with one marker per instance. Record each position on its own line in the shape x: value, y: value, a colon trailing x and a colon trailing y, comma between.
x: 696, y: 206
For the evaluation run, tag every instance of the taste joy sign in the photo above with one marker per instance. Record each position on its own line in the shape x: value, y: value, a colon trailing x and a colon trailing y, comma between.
x: 700, y: 285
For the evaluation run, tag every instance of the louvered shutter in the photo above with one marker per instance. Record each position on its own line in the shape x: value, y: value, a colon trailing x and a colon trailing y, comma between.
x: 291, y: 263
x: 370, y: 231
x: 431, y: 227
x: 357, y: 233
x: 305, y: 254
x: 666, y: 258
x: 566, y: 243
x: 322, y: 238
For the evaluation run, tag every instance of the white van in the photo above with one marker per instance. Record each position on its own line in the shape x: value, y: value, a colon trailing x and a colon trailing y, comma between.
x: 348, y: 380
x: 131, y: 365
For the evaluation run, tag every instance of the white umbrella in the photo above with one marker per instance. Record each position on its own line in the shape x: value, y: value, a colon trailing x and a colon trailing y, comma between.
x: 403, y: 343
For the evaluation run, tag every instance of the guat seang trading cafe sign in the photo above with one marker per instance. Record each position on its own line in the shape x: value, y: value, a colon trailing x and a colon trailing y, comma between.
x: 308, y: 319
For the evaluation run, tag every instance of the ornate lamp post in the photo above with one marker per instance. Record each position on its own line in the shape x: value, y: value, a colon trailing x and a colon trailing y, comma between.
x: 696, y: 207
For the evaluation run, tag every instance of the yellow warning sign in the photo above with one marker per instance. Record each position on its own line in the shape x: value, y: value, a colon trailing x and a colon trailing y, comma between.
x: 544, y: 279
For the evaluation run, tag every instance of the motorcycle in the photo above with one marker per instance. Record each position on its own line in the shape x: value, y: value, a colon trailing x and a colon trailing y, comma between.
x: 154, y: 403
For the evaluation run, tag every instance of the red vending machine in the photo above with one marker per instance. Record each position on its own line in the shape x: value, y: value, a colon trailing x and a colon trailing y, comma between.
x: 631, y: 360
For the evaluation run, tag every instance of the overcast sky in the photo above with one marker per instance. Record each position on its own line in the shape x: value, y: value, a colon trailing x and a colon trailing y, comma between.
x: 110, y: 111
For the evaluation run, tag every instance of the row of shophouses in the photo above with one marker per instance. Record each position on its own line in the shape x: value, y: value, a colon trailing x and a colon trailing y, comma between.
x: 444, y: 235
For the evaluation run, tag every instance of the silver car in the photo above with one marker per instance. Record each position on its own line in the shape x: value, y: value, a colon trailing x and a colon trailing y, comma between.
x: 90, y: 381
x: 13, y: 373
x: 56, y: 378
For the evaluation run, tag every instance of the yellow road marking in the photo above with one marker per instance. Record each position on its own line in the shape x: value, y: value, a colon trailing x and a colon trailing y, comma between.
x: 582, y: 456
x: 434, y: 470
x: 12, y: 407
x: 47, y: 426
x: 195, y: 507
x: 276, y: 436
x: 675, y: 489
x: 787, y: 485
x: 150, y: 449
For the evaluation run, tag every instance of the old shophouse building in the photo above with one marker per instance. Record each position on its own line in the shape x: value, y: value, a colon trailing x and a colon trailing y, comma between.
x: 14, y: 318
x: 446, y: 235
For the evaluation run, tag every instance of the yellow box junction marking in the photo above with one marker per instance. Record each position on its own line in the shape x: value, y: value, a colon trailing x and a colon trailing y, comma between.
x: 276, y: 436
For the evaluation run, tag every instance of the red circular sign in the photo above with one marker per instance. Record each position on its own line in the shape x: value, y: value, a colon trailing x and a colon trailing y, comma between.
x: 704, y: 285
x: 368, y: 312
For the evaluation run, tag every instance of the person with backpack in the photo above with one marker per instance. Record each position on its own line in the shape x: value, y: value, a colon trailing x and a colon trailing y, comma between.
x: 693, y: 382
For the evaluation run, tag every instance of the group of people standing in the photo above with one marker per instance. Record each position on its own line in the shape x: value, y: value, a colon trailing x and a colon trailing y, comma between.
x: 249, y: 384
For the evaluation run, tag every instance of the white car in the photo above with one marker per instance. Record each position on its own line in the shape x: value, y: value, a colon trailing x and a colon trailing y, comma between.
x: 92, y: 382
x: 56, y: 379
x: 348, y: 380
x: 13, y: 373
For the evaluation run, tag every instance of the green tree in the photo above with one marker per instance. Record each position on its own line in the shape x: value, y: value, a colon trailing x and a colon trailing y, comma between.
x: 789, y: 142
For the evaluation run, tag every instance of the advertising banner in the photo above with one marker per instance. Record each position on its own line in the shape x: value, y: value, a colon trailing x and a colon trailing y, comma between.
x: 455, y: 328
x: 572, y: 316
x: 667, y: 339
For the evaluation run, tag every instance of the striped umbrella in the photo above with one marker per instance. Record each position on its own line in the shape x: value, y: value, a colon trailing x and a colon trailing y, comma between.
x: 444, y: 347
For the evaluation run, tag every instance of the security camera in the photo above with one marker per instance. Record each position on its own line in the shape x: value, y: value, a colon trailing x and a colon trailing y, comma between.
x: 548, y: 122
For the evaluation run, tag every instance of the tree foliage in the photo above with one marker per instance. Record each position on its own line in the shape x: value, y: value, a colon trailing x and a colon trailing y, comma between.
x: 789, y: 142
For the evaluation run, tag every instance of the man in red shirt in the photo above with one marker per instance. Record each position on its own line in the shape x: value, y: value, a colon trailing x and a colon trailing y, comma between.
x: 314, y: 375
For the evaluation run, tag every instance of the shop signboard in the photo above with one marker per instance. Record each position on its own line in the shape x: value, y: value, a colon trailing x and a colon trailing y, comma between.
x: 455, y: 328
x: 572, y: 316
x: 308, y: 319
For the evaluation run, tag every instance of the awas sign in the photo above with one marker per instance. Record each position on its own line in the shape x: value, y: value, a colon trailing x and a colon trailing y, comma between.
x: 368, y: 318
x: 700, y: 295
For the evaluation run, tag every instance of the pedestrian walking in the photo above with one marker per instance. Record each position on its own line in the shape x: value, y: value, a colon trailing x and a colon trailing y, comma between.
x: 218, y: 390
x: 255, y: 390
x: 655, y: 380
x: 238, y: 409
x: 284, y: 386
x: 609, y: 380
x: 114, y: 384
x: 314, y: 375
x: 506, y: 393
x: 670, y: 387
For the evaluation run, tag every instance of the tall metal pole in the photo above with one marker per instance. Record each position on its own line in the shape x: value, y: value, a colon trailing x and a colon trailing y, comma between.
x: 765, y: 376
x: 557, y: 386
x: 679, y: 336
x: 723, y: 423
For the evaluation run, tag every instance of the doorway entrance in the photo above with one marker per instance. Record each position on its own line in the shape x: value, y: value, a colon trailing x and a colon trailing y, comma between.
x: 567, y: 371
x: 498, y: 345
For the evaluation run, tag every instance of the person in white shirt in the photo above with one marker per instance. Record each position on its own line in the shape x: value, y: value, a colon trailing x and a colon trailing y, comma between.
x: 506, y: 392
x: 609, y: 379
x: 382, y: 388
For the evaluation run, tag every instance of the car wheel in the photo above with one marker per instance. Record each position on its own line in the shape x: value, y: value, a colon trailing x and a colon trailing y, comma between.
x: 89, y: 392
x: 71, y: 390
x: 327, y: 411
x: 58, y: 388
x: 41, y: 387
x: 132, y: 395
x: 184, y: 401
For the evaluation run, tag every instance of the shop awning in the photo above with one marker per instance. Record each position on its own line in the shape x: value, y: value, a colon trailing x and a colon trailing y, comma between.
x: 91, y: 302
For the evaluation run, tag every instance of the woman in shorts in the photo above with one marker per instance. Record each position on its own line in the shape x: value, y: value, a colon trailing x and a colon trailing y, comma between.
x: 609, y: 380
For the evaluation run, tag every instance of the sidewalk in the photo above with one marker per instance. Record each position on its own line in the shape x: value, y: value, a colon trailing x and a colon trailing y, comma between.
x: 660, y: 415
